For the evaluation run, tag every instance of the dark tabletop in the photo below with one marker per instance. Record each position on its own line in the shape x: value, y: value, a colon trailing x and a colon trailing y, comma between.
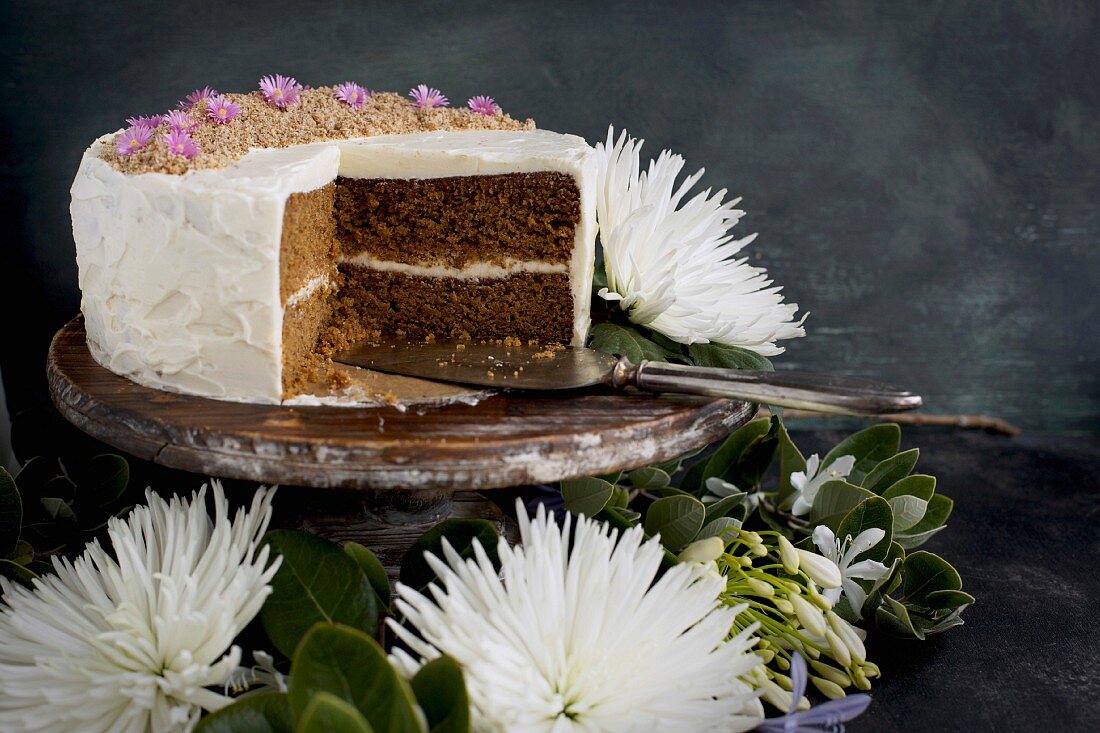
x: 1025, y: 536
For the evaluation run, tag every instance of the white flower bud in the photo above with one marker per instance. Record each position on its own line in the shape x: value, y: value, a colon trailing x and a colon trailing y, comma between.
x: 703, y: 551
x: 848, y: 635
x: 788, y: 555
x: 829, y: 689
x: 817, y: 599
x: 761, y: 588
x: 809, y: 616
x: 830, y: 672
x: 860, y: 679
x: 819, y: 569
x: 840, y: 650
x: 776, y: 695
x: 784, y: 606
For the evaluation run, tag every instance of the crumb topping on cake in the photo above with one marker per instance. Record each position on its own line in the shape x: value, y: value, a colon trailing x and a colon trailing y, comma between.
x: 316, y: 115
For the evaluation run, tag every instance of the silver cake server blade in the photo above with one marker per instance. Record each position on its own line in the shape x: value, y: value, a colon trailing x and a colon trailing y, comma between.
x: 531, y: 367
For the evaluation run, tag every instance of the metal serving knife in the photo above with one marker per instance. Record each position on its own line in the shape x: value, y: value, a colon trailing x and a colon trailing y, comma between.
x: 531, y: 367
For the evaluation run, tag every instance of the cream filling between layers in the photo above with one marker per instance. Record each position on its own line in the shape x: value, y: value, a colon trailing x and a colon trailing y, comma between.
x: 302, y: 293
x: 473, y: 271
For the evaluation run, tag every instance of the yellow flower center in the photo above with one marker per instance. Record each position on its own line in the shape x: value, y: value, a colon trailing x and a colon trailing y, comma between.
x: 278, y: 92
x: 222, y: 112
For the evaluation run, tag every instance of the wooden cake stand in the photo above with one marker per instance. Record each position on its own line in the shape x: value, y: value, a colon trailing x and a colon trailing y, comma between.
x: 408, y: 465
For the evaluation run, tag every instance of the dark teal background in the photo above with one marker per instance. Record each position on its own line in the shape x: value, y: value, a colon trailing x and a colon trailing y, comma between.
x: 925, y: 177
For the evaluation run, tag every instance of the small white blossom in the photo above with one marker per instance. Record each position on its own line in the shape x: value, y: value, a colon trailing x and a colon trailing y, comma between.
x: 131, y: 640
x: 576, y: 633
x: 807, y: 483
x: 842, y: 553
x: 672, y: 265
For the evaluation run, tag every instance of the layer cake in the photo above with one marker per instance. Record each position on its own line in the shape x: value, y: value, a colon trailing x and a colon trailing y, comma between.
x: 233, y: 273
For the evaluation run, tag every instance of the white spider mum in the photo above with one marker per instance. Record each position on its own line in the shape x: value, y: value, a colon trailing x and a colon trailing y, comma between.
x: 579, y: 635
x: 128, y: 641
x: 671, y: 264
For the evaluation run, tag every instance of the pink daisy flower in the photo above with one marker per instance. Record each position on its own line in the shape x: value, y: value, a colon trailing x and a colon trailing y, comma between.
x: 425, y: 98
x: 222, y: 110
x: 150, y: 122
x: 180, y: 143
x: 133, y: 140
x: 351, y: 93
x: 483, y: 105
x: 197, y: 97
x: 180, y: 121
x: 281, y: 91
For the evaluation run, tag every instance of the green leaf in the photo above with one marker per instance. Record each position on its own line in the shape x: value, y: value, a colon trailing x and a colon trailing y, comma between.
x: 908, y: 510
x: 893, y: 618
x: 327, y: 713
x: 924, y: 572
x: 724, y: 460
x: 316, y: 582
x: 371, y: 566
x: 728, y: 357
x: 911, y: 539
x: 833, y: 502
x: 104, y: 480
x: 22, y: 554
x: 720, y: 527
x: 939, y: 509
x: 460, y: 533
x: 870, y: 447
x: 724, y: 506
x: 677, y: 518
x: 672, y: 466
x: 617, y: 340
x: 58, y: 509
x: 649, y: 477
x: 943, y: 600
x: 920, y: 486
x: 872, y: 512
x: 441, y: 692
x: 891, y: 470
x: 620, y: 498
x: 17, y: 573
x: 351, y: 665
x: 262, y: 712
x: 11, y: 513
x: 790, y: 461
x: 587, y: 496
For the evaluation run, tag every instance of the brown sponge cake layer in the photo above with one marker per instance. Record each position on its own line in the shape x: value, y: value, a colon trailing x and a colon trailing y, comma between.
x: 524, y: 305
x: 459, y: 220
x: 308, y: 241
x: 302, y: 323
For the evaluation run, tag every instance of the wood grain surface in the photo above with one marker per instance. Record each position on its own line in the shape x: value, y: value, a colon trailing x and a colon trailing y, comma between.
x: 509, y: 439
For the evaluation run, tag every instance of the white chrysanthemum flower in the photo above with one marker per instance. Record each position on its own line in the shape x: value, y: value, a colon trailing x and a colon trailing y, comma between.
x: 670, y: 265
x: 129, y: 640
x: 580, y: 635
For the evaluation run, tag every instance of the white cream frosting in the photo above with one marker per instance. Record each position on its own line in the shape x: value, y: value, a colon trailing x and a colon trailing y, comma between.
x: 179, y: 274
x: 472, y: 271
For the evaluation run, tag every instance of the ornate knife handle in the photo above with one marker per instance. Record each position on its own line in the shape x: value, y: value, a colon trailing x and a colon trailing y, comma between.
x: 797, y: 390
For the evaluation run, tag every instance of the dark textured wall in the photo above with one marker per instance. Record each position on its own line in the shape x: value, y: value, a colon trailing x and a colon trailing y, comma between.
x: 925, y: 176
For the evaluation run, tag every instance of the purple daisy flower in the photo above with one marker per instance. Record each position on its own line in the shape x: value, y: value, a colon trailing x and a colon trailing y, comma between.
x: 197, y: 97
x: 150, y: 122
x: 222, y: 110
x: 180, y: 143
x: 351, y: 93
x: 180, y: 121
x: 425, y: 98
x: 483, y: 105
x: 828, y: 717
x: 133, y: 140
x: 281, y: 91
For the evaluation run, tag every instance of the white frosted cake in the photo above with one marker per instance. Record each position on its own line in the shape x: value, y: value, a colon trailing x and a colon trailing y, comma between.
x: 227, y: 257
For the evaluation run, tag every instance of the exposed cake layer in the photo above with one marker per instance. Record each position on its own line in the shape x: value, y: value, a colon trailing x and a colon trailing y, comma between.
x: 524, y: 305
x: 459, y: 220
x: 307, y: 250
x: 306, y: 313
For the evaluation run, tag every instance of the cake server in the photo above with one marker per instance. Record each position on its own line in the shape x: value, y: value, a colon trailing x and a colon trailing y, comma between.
x: 539, y: 368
